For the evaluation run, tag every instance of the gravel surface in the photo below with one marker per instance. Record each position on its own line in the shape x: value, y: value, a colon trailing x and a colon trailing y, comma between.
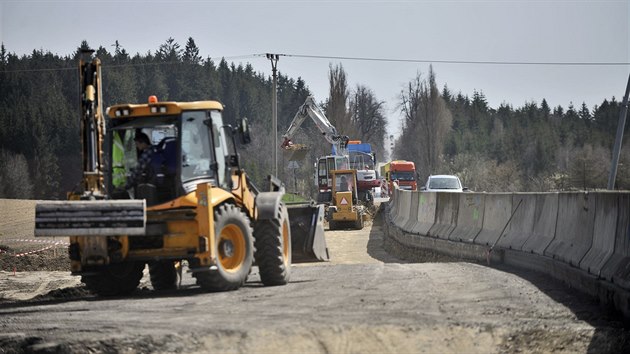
x: 363, y: 301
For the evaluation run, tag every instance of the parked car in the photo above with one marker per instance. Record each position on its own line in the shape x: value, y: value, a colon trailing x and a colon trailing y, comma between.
x: 443, y: 183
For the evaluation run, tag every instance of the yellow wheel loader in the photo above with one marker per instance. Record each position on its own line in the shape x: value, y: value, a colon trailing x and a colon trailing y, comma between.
x: 162, y: 184
x: 345, y: 211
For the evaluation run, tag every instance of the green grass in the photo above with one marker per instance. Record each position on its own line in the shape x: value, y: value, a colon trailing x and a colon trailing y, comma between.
x: 293, y: 198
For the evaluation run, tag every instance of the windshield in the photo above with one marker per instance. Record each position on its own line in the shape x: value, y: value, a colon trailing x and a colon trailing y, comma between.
x: 403, y: 176
x: 197, y: 155
x: 443, y: 183
x: 361, y: 161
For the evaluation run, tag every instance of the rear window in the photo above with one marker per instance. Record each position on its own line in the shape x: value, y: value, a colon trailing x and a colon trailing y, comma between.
x: 443, y: 183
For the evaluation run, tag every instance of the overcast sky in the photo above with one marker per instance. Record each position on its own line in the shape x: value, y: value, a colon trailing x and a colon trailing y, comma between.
x: 433, y: 31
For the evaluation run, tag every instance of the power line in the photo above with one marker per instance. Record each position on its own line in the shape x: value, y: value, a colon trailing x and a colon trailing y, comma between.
x: 480, y: 62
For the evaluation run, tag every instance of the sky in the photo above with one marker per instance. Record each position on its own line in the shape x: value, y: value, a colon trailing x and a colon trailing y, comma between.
x: 455, y: 37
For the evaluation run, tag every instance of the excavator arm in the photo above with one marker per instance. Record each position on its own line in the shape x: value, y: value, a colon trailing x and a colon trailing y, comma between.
x: 92, y: 128
x: 89, y: 212
x: 310, y: 109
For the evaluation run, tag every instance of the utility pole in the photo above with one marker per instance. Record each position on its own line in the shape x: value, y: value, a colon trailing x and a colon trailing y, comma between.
x: 620, y: 128
x: 274, y: 110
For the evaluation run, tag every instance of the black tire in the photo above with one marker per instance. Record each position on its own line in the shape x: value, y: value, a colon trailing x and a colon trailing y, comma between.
x: 234, y: 249
x: 272, y: 239
x: 163, y: 275
x: 332, y: 225
x: 115, y: 279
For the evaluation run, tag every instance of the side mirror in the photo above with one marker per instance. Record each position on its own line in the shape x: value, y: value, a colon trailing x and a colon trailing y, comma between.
x: 423, y: 188
x: 465, y: 189
x: 243, y: 131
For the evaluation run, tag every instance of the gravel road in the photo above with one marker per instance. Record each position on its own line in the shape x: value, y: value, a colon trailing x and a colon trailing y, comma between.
x: 363, y: 301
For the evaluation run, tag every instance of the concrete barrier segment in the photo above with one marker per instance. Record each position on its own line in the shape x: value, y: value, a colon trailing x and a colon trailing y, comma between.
x: 617, y: 269
x: 469, y: 217
x: 521, y: 226
x: 393, y: 203
x: 496, y: 215
x: 403, y: 208
x: 604, y: 230
x: 574, y: 229
x: 413, y: 212
x: 544, y: 223
x: 447, y: 206
x: 426, y: 213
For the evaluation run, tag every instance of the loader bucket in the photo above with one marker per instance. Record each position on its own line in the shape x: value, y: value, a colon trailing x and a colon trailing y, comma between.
x: 90, y: 218
x: 307, y: 233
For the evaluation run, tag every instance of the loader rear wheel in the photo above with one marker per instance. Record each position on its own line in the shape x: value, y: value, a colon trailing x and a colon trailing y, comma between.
x: 163, y: 275
x: 272, y: 239
x: 234, y: 249
x: 332, y: 225
x: 115, y: 279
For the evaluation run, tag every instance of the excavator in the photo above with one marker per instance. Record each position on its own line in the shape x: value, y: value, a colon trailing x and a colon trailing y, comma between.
x: 190, y: 202
x: 341, y: 159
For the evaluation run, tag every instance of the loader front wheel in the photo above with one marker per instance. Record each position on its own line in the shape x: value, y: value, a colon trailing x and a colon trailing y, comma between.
x: 163, y: 275
x: 272, y: 239
x: 234, y: 250
x: 115, y: 279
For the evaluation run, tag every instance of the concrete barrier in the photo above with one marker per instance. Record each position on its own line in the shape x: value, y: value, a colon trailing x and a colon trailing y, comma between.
x: 404, y: 203
x: 446, y: 207
x: 617, y: 269
x: 469, y: 217
x: 521, y: 226
x: 604, y: 230
x: 413, y: 212
x: 496, y: 214
x: 426, y: 213
x: 393, y: 204
x: 574, y: 230
x: 544, y: 223
x: 580, y: 239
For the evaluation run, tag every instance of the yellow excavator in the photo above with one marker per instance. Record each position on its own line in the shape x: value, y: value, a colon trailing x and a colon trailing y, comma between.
x: 184, y: 197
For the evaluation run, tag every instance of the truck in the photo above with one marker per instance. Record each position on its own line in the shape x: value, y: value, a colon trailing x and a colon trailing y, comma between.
x: 400, y: 171
x: 363, y: 159
x: 197, y: 207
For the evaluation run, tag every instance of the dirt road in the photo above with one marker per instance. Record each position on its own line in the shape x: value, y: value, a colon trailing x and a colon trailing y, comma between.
x: 363, y: 301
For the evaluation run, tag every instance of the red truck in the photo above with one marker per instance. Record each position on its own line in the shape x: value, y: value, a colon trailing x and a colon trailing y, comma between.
x: 401, y: 171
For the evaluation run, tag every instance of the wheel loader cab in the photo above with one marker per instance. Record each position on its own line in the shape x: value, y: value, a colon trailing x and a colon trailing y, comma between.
x: 189, y: 147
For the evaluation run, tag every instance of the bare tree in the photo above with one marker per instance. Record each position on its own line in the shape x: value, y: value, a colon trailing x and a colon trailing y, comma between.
x: 16, y: 180
x: 426, y: 123
x: 589, y: 167
x: 337, y: 105
x: 368, y: 117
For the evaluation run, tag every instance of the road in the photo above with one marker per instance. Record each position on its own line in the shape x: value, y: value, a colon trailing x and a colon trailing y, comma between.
x: 363, y: 301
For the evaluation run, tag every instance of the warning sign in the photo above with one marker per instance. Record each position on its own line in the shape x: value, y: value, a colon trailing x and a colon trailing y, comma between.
x: 343, y: 201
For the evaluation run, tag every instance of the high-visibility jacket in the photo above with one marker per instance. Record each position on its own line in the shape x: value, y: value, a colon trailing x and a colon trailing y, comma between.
x: 119, y: 177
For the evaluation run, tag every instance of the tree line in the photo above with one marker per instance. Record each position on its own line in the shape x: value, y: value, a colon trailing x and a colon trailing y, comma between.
x: 39, y: 111
x: 534, y: 147
x: 530, y: 148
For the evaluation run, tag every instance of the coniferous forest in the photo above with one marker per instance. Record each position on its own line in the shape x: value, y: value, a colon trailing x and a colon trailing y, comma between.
x: 534, y: 147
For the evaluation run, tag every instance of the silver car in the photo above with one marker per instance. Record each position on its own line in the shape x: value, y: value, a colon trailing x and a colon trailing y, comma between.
x: 443, y: 183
